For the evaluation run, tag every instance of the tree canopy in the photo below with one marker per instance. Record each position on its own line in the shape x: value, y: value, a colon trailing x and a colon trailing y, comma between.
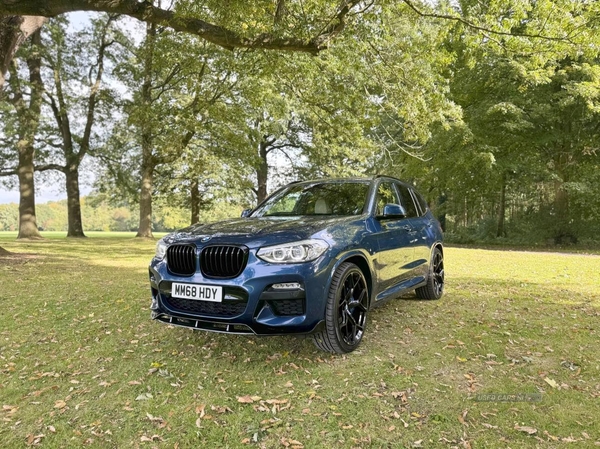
x: 491, y: 109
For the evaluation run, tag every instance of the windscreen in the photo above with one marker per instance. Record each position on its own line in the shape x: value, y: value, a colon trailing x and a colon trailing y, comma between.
x: 326, y: 198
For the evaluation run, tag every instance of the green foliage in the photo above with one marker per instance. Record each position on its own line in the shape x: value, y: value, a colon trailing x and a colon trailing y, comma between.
x: 486, y: 107
x: 529, y: 123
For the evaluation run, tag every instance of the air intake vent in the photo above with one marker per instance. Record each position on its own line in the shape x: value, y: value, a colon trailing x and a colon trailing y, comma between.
x: 181, y: 259
x: 221, y: 309
x: 223, y: 261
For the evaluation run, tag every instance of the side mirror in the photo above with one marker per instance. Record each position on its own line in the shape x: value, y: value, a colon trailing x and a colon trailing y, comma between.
x: 246, y: 213
x: 393, y: 211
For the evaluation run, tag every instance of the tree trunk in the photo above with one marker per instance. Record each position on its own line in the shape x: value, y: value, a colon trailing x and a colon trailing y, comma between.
x: 27, y: 221
x: 564, y: 232
x: 502, y: 208
x: 29, y: 118
x: 195, y: 200
x: 262, y: 172
x: 145, y: 228
x: 148, y: 160
x: 75, y: 228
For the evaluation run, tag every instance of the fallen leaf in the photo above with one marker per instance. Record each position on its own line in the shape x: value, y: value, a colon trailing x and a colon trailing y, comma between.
x: 248, y: 399
x: 551, y: 382
x: 60, y: 404
x: 144, y: 397
x: 154, y: 418
x: 34, y: 440
x: 220, y: 409
x: 526, y: 429
x: 152, y: 438
x: 400, y: 395
x: 10, y: 409
x: 276, y: 401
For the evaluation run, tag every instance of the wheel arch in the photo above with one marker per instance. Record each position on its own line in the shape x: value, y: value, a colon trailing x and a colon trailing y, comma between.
x: 359, y: 259
x: 438, y: 245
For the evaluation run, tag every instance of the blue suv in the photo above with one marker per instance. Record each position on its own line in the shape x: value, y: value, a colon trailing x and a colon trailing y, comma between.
x: 313, y: 258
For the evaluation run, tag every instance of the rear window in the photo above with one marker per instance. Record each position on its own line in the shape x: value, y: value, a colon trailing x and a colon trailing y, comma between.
x: 422, y: 203
x: 407, y: 201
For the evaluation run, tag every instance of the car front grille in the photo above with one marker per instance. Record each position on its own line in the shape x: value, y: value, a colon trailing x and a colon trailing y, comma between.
x: 223, y: 261
x: 220, y: 309
x: 181, y: 259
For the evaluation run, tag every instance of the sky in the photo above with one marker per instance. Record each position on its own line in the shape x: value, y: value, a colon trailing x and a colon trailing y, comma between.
x: 44, y: 192
x: 43, y: 197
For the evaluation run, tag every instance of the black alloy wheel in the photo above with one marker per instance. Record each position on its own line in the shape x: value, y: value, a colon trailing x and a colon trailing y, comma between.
x: 434, y: 289
x: 346, y: 312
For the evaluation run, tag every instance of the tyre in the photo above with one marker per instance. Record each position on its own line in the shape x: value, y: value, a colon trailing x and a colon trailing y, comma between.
x: 346, y: 311
x: 434, y: 289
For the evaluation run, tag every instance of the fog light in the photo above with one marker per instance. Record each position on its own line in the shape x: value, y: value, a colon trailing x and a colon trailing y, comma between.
x: 287, y: 286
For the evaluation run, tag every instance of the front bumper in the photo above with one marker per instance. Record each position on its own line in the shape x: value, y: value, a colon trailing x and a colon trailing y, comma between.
x: 249, y: 305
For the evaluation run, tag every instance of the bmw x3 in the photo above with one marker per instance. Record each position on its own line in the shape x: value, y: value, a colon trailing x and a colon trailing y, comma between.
x: 313, y: 258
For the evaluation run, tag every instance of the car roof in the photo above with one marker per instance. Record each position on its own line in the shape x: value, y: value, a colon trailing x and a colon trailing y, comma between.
x: 333, y: 180
x: 353, y: 179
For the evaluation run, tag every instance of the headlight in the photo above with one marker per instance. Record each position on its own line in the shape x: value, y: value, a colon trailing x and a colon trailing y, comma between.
x: 161, y: 249
x: 296, y: 252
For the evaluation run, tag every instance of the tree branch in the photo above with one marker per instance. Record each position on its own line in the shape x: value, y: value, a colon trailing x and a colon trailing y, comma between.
x: 9, y: 172
x: 15, y: 83
x: 14, y: 30
x: 92, y: 99
x: 47, y: 167
x: 147, y: 12
x: 336, y: 25
x: 469, y: 24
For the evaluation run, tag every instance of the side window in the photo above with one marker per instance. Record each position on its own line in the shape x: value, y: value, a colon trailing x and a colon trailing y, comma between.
x: 386, y: 194
x: 422, y: 203
x: 407, y: 202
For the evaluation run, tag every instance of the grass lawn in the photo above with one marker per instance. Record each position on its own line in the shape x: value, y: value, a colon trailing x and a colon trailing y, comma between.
x: 81, y: 363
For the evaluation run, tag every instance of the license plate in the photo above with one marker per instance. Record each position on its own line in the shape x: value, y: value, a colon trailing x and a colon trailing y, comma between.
x: 212, y: 293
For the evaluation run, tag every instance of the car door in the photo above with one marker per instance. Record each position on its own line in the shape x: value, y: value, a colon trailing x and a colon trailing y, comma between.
x: 394, y: 237
x: 418, y: 241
